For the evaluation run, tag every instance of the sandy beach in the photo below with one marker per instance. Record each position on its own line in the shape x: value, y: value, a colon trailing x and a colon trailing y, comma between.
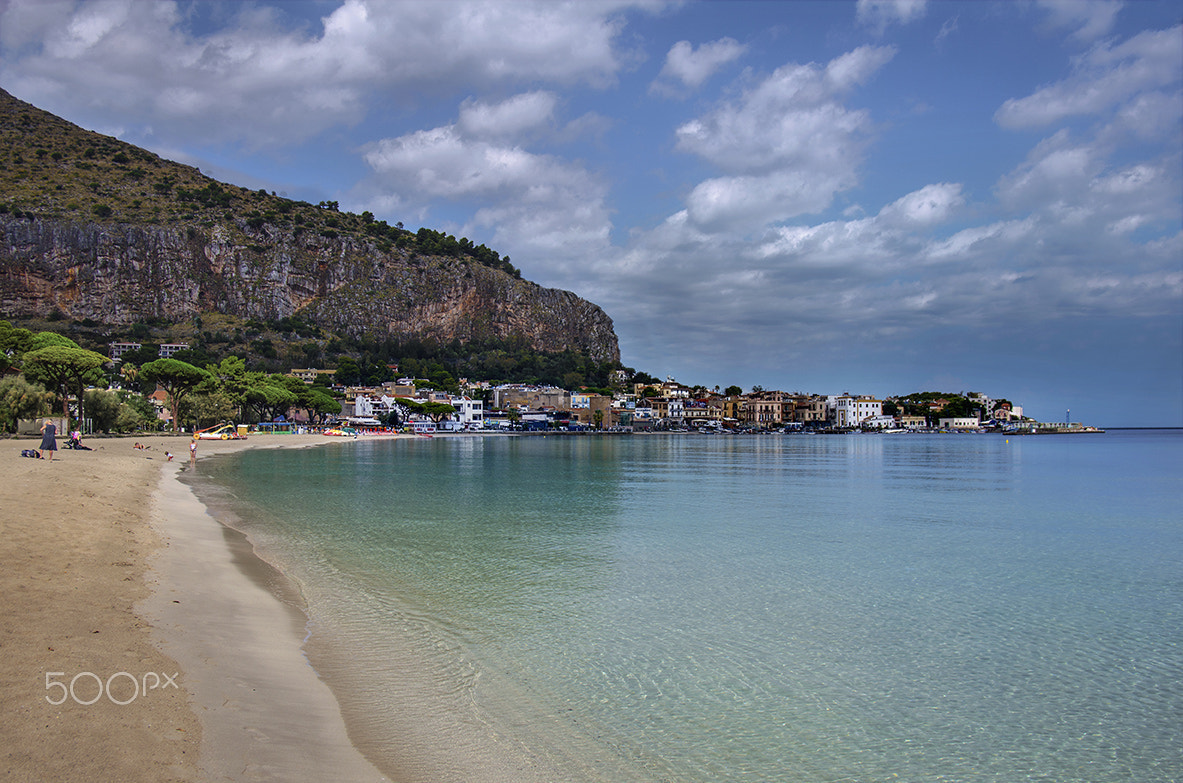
x: 142, y: 640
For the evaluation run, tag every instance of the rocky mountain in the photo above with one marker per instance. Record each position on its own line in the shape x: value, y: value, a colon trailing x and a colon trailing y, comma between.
x: 94, y: 228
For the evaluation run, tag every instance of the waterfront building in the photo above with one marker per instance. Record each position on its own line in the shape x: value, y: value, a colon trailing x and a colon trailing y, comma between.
x: 850, y: 411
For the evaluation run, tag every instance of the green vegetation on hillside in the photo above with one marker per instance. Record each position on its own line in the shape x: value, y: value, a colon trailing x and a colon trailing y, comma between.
x: 947, y: 406
x: 51, y: 169
x: 280, y: 345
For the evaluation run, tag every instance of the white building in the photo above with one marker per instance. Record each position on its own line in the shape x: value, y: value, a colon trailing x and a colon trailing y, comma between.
x: 850, y: 411
x: 116, y: 350
x: 470, y: 413
x: 375, y: 407
x: 883, y: 422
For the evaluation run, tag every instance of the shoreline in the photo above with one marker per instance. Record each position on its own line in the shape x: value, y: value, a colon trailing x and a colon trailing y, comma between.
x: 419, y: 741
x: 115, y: 568
x: 237, y: 627
x: 117, y: 579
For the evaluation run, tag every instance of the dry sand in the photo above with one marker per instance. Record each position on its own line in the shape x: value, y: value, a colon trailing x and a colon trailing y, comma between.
x: 113, y: 574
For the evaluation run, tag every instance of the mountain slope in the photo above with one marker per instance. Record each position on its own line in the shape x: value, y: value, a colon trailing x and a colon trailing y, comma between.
x: 98, y: 229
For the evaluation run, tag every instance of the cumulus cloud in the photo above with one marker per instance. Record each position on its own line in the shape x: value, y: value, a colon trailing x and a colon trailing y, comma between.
x: 785, y: 147
x: 1107, y: 76
x: 269, y: 82
x: 542, y: 200
x: 520, y: 114
x: 687, y: 66
x: 929, y: 206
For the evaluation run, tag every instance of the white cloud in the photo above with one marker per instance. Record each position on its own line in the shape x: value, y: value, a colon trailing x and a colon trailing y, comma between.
x: 520, y: 114
x: 1090, y: 19
x: 1055, y: 169
x: 855, y: 67
x: 1105, y: 77
x: 1070, y: 184
x: 690, y: 67
x: 929, y: 206
x: 544, y: 202
x: 259, y: 79
x: 786, y: 147
x: 947, y: 29
x: 878, y: 14
x: 738, y: 203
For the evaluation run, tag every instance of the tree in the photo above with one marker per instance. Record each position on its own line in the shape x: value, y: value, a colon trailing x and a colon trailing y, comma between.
x: 229, y: 378
x: 266, y: 397
x: 148, y: 352
x: 177, y: 378
x: 437, y: 411
x: 14, y: 341
x: 208, y: 408
x: 348, y: 373
x: 959, y: 408
x: 103, y: 407
x: 321, y: 405
x: 733, y: 391
x: 137, y: 412
x: 20, y: 399
x: 66, y: 368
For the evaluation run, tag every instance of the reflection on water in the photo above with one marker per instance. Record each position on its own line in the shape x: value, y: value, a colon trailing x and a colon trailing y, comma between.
x: 793, y: 608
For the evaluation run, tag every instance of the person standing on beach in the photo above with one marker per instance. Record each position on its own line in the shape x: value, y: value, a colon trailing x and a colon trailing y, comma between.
x: 193, y: 450
x: 49, y: 442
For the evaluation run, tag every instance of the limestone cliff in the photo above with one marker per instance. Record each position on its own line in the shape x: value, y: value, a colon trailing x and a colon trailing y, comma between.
x: 99, y: 229
x: 121, y: 274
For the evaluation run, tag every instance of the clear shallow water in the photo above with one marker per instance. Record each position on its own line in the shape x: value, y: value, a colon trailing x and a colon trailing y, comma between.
x: 714, y: 608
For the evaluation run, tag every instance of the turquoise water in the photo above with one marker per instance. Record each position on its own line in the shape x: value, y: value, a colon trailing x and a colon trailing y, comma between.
x: 740, y: 608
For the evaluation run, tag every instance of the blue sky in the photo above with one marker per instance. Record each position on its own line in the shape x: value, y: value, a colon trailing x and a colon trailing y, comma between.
x: 873, y: 197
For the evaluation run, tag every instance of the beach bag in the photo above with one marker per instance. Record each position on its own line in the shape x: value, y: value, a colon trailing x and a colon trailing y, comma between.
x: 31, y: 453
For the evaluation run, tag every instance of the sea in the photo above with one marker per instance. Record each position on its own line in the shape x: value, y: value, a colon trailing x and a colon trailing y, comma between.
x: 693, y: 608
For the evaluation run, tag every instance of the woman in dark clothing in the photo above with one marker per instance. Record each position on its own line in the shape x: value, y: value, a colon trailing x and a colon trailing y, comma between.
x: 49, y: 442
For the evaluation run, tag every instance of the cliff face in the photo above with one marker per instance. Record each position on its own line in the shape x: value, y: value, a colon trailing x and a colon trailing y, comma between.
x: 125, y: 273
x: 172, y: 243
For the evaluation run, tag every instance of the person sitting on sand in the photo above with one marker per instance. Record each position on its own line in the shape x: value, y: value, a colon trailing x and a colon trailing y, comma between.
x: 49, y: 442
x: 169, y: 455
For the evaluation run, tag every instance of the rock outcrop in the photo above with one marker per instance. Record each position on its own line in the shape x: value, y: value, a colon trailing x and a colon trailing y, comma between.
x: 95, y: 228
x: 121, y: 274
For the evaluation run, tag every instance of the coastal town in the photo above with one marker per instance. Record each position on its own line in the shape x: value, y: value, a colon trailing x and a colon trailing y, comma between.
x: 672, y: 406
x: 224, y: 400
